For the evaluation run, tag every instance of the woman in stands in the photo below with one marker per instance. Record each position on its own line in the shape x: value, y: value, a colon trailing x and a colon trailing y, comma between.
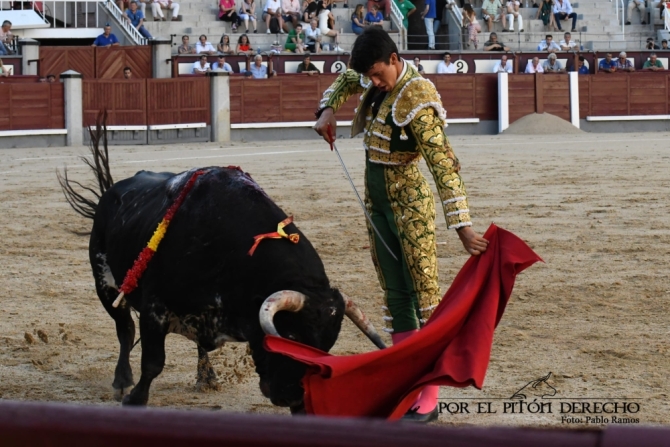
x: 224, y: 45
x: 244, y: 46
x: 327, y: 24
x: 546, y: 13
x: 357, y: 20
x: 227, y: 13
x: 374, y: 17
x: 247, y: 13
x: 470, y: 21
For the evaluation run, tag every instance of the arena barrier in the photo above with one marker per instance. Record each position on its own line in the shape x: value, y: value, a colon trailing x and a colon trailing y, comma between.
x: 54, y: 425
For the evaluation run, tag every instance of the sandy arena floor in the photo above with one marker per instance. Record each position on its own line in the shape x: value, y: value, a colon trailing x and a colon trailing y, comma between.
x: 595, y: 207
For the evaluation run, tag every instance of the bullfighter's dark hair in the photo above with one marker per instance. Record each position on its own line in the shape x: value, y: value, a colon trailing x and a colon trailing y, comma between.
x: 372, y: 46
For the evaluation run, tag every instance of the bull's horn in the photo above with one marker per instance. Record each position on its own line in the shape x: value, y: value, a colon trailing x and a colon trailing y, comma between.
x: 283, y: 300
x: 356, y: 315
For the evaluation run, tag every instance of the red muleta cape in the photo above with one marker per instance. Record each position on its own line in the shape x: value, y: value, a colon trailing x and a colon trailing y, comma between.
x: 452, y: 349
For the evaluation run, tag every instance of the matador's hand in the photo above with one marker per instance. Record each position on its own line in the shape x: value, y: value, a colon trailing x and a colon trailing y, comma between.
x: 474, y: 243
x: 326, y: 119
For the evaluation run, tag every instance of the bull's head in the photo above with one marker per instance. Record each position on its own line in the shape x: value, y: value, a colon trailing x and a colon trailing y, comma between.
x: 315, y: 325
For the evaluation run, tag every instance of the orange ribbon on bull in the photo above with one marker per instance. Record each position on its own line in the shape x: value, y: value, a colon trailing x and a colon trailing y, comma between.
x: 280, y: 233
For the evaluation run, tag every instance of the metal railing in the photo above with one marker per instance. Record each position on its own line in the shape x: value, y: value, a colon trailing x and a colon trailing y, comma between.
x: 397, y: 18
x: 455, y: 11
x: 120, y: 19
x: 619, y: 5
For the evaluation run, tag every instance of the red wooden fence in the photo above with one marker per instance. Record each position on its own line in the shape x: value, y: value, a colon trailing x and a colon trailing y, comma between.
x: 624, y: 94
x: 539, y: 93
x: 141, y: 102
x: 31, y: 106
x: 96, y: 62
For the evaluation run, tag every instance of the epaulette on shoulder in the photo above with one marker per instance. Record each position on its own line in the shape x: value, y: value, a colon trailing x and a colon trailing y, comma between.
x: 419, y: 93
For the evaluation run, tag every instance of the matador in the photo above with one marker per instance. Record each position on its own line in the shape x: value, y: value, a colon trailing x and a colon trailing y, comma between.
x: 402, y: 120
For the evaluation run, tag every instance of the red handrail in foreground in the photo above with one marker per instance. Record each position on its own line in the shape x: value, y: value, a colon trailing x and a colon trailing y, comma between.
x: 37, y: 424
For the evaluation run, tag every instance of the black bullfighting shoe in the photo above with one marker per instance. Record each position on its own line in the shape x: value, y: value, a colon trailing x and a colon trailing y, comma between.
x: 415, y: 416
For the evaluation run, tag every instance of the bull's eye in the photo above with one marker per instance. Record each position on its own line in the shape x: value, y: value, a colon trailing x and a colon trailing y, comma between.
x: 291, y: 337
x: 333, y: 311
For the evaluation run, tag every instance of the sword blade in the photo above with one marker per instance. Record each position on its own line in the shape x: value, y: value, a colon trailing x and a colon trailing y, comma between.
x: 365, y: 210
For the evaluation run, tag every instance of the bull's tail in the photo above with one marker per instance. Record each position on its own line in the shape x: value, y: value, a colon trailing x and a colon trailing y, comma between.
x: 99, y: 164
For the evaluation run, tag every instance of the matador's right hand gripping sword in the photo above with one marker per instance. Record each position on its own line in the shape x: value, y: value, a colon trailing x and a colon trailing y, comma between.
x: 331, y: 139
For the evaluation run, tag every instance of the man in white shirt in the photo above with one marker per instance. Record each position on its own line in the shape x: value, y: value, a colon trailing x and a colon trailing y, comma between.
x: 512, y: 13
x: 490, y: 13
x: 567, y: 44
x: 273, y: 9
x: 534, y: 66
x: 222, y: 65
x: 313, y: 37
x: 204, y: 47
x: 548, y: 45
x: 201, y: 66
x: 640, y: 5
x: 503, y: 66
x: 446, y: 67
x: 290, y: 10
x: 563, y: 11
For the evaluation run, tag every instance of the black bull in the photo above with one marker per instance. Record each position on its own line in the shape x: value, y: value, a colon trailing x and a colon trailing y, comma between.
x: 201, y: 282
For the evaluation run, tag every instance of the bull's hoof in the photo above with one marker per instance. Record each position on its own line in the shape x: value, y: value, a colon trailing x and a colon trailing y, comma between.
x: 119, y: 393
x: 298, y: 409
x: 205, y: 386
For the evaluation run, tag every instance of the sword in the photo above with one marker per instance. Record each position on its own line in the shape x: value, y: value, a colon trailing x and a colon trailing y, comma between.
x: 346, y: 172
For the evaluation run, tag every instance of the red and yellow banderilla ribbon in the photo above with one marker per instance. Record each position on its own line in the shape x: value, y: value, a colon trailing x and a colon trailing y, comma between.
x: 142, y: 262
x: 280, y: 233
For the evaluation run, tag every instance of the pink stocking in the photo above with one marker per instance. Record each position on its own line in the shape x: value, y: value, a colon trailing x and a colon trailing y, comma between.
x: 427, y: 400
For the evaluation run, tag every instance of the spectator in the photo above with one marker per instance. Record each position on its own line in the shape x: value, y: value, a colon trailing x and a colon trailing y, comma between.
x: 567, y: 44
x: 490, y: 13
x: 623, y: 64
x: 273, y: 9
x: 607, y: 65
x: 534, y: 66
x: 582, y: 69
x: 157, y: 7
x: 357, y: 20
x: 439, y: 12
x: 106, y: 39
x: 428, y: 15
x: 309, y: 10
x: 664, y: 45
x: 221, y: 64
x: 248, y: 12
x: 503, y: 65
x: 419, y: 67
x: 552, y: 65
x: 563, y: 11
x: 201, y: 66
x: 6, y: 38
x: 493, y: 45
x: 296, y: 40
x: 127, y: 73
x: 244, y: 46
x: 548, y: 44
x: 546, y: 13
x: 224, y: 45
x: 204, y: 47
x: 382, y: 5
x: 313, y: 37
x: 185, y: 48
x: 291, y: 12
x: 137, y: 19
x: 326, y: 25
x: 653, y: 64
x: 640, y: 6
x: 306, y: 66
x: 227, y: 13
x: 446, y: 67
x: 651, y: 45
x: 4, y: 71
x: 374, y: 17
x: 258, y: 70
x: 406, y: 8
x: 474, y: 28
x: 512, y: 13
